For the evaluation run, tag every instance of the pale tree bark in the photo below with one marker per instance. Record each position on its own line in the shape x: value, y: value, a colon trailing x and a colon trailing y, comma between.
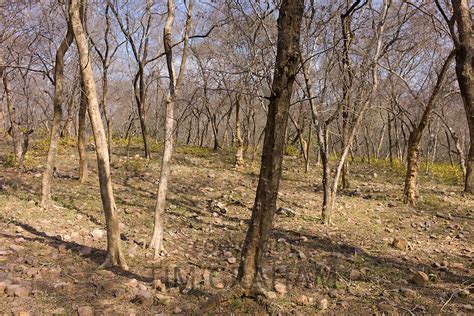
x: 114, y: 249
x: 13, y: 129
x: 286, y: 67
x: 82, y: 135
x: 239, y: 142
x: 57, y: 118
x: 140, y: 53
x: 327, y: 208
x: 414, y: 140
x: 157, y: 239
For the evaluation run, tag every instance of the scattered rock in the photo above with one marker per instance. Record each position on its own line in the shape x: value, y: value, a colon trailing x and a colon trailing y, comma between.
x: 98, y: 233
x: 85, y: 311
x: 467, y: 307
x: 323, y: 304
x: 11, y: 288
x: 158, y: 285
x: 305, y: 300
x: 143, y: 297
x: 420, y: 278
x: 409, y: 293
x: 271, y: 295
x: 22, y: 291
x: 16, y: 248
x: 177, y: 310
x: 280, y: 288
x: 355, y: 275
x: 400, y: 243
x: 286, y: 212
x: 231, y: 260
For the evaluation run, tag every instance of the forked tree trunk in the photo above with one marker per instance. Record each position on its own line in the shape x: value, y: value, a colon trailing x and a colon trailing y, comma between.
x: 157, y: 239
x: 114, y: 249
x: 286, y: 67
x: 57, y: 117
x: 465, y: 74
x: 82, y: 136
x: 409, y: 196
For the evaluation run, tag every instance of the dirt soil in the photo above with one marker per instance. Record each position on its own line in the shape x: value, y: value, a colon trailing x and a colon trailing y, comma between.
x: 380, y: 257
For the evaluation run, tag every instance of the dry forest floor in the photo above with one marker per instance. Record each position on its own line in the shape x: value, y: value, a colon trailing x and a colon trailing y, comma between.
x: 380, y: 257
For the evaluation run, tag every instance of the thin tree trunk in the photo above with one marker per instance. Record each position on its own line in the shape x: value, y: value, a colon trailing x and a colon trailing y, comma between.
x: 82, y: 136
x: 114, y: 250
x: 286, y: 65
x: 415, y: 136
x: 57, y: 117
x: 239, y: 153
x: 157, y: 239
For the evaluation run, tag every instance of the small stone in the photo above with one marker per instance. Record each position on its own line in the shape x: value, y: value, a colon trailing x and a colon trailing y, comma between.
x: 98, y: 233
x: 231, y: 260
x: 467, y: 307
x: 85, y: 311
x: 323, y: 304
x: 22, y: 291
x: 119, y: 292
x: 16, y: 248
x: 409, y: 293
x: 271, y: 295
x: 400, y: 243
x: 286, y: 212
x: 301, y: 255
x: 355, y: 275
x: 144, y: 297
x: 420, y: 278
x: 280, y: 288
x: 177, y: 310
x: 132, y: 283
x: 219, y: 285
x: 305, y: 300
x: 158, y: 285
x: 11, y: 288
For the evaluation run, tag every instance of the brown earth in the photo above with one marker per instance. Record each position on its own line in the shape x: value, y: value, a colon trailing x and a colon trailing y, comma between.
x: 380, y: 257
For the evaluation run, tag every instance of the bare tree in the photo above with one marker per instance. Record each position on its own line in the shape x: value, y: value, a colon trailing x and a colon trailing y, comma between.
x: 286, y: 68
x: 57, y: 117
x: 114, y: 249
x: 175, y: 82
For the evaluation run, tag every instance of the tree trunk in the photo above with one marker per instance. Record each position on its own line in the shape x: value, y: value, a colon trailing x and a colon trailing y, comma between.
x: 82, y: 136
x: 13, y: 129
x: 157, y: 239
x: 57, y: 117
x: 239, y: 153
x: 286, y: 67
x: 417, y: 133
x: 465, y: 74
x: 114, y: 250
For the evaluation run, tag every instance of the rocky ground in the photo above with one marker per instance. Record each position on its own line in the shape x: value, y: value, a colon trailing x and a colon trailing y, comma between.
x: 379, y: 257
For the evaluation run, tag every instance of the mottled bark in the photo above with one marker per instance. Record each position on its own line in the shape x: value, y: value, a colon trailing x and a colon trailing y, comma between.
x: 114, y: 250
x: 416, y: 134
x: 57, y: 118
x: 286, y: 67
x: 82, y: 136
x: 157, y: 239
x: 465, y: 73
